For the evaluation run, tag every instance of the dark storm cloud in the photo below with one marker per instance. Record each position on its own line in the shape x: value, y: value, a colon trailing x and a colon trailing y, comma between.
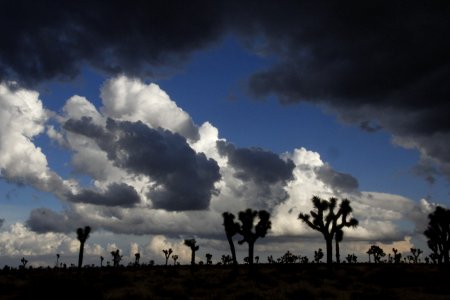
x: 258, y: 165
x: 376, y: 64
x: 184, y: 179
x: 117, y: 194
x: 339, y: 182
x: 44, y: 40
x: 44, y: 220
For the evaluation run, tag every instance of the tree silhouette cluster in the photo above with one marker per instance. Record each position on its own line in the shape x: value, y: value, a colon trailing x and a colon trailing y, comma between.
x: 329, y: 217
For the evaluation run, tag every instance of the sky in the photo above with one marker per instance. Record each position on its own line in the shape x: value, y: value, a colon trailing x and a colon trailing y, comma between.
x: 147, y: 120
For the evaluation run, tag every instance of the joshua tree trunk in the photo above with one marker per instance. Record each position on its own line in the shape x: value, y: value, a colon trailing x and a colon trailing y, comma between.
x: 338, y: 256
x: 193, y: 257
x: 446, y: 256
x: 329, y: 241
x: 80, y: 255
x: 251, y: 246
x: 233, y: 251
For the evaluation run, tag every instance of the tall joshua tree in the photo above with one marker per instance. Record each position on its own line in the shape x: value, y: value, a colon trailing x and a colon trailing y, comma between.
x: 231, y: 229
x: 191, y: 244
x: 331, y: 223
x: 343, y: 213
x: 247, y: 218
x: 82, y: 236
x: 438, y: 234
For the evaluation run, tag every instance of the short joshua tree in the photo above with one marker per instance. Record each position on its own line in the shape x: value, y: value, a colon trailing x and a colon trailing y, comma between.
x: 226, y: 259
x: 351, y: 258
x: 318, y: 255
x: 288, y: 258
x: 116, y: 258
x: 57, y: 260
x: 167, y: 253
x: 24, y: 262
x: 137, y: 257
x: 208, y: 259
x: 376, y: 252
x: 415, y: 255
x: 101, y: 261
x: 175, y: 258
x: 397, y: 258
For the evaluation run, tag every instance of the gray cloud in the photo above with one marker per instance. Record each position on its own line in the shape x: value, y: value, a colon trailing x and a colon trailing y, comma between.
x: 43, y: 220
x: 339, y: 182
x: 261, y: 166
x: 184, y: 179
x: 264, y: 173
x: 117, y: 194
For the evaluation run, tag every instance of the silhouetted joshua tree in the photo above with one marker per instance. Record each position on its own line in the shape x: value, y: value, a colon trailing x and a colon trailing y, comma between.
x: 226, y: 259
x: 352, y: 258
x: 397, y: 256
x: 57, y: 260
x: 82, y: 236
x: 191, y: 244
x: 438, y: 234
x: 415, y: 255
x: 231, y: 229
x: 329, y: 225
x: 208, y: 259
x: 288, y: 258
x: 24, y: 262
x: 175, y: 258
x: 137, y: 257
x: 101, y: 261
x: 116, y: 258
x: 376, y: 252
x: 248, y: 236
x: 256, y: 259
x: 318, y: 255
x: 167, y: 254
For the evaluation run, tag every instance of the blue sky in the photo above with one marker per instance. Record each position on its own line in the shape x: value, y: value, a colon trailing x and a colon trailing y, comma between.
x: 281, y: 92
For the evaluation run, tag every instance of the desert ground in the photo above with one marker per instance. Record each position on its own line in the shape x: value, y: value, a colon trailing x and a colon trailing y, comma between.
x: 263, y: 281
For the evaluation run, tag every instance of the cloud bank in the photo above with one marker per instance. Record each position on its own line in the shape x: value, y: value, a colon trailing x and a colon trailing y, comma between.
x: 149, y: 177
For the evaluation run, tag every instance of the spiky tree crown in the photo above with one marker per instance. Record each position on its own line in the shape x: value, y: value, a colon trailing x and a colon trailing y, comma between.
x: 247, y: 218
x: 191, y: 243
x: 231, y: 227
x: 83, y: 234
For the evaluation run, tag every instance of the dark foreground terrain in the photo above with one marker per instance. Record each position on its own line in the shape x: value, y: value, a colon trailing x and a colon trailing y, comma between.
x: 297, y: 281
